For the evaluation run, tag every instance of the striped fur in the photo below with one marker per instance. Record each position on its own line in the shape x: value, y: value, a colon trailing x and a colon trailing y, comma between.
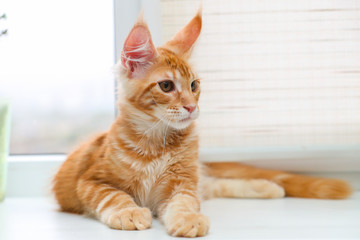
x: 147, y: 163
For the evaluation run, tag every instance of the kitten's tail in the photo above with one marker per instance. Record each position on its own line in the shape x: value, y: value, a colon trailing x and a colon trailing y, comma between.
x: 294, y: 185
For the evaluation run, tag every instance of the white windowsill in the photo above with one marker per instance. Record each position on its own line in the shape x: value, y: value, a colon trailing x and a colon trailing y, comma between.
x: 288, y: 218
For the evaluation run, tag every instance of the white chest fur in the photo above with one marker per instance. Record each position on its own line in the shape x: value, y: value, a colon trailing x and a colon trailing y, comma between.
x: 151, y: 172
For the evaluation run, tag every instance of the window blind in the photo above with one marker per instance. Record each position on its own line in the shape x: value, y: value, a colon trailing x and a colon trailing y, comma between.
x: 275, y: 73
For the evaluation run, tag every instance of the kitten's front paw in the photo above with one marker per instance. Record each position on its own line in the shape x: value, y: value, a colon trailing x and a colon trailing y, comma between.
x: 132, y: 218
x: 188, y: 225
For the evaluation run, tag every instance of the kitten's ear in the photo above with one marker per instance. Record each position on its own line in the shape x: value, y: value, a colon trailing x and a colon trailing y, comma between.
x: 184, y: 40
x: 138, y: 51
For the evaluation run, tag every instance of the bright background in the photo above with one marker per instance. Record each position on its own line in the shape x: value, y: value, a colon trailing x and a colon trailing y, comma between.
x: 56, y: 68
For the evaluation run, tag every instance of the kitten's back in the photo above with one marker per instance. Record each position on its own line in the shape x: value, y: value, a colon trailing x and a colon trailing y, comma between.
x: 65, y: 181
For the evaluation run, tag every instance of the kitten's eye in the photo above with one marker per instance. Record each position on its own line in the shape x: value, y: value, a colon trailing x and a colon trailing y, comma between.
x: 166, y: 86
x: 194, y: 86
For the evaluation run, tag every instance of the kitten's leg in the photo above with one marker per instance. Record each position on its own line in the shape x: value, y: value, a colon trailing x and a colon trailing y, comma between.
x: 112, y: 206
x: 241, y: 188
x: 181, y: 212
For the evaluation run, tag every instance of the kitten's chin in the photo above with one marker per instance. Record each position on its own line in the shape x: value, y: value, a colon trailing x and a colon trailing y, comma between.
x: 182, y: 124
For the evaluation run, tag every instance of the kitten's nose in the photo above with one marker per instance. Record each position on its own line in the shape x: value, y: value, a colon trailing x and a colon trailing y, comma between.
x: 190, y: 108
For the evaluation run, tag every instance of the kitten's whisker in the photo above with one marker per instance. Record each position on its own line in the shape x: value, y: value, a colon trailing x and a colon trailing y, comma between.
x: 152, y: 127
x: 168, y: 124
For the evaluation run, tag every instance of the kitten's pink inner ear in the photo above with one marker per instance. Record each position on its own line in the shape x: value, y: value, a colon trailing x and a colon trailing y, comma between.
x: 138, y: 50
x: 183, y: 41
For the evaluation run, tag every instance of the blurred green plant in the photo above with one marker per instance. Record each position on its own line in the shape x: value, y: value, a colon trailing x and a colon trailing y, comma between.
x: 3, y: 32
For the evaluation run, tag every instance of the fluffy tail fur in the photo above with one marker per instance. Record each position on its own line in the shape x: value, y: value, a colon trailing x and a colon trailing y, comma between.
x: 293, y: 184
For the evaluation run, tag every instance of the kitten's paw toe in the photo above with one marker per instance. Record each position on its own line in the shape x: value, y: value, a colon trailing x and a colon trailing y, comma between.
x: 188, y: 225
x: 132, y: 218
x: 142, y: 218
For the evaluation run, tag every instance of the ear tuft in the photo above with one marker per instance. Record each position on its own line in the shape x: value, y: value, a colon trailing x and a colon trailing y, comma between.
x: 139, y: 50
x: 184, y: 40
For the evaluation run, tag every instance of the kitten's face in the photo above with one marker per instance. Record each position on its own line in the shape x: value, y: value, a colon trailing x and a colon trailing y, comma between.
x: 169, y: 91
x: 159, y: 82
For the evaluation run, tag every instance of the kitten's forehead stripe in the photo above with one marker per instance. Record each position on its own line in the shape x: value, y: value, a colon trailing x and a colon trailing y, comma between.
x: 176, y: 63
x: 169, y: 75
x: 178, y: 86
x: 177, y: 74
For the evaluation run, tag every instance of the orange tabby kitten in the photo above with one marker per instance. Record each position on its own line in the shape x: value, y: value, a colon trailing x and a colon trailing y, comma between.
x: 147, y: 163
